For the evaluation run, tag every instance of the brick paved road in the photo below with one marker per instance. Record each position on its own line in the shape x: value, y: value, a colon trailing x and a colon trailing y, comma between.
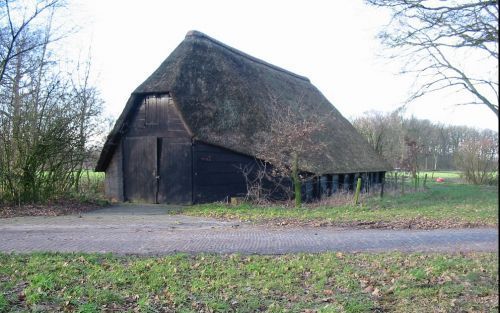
x: 148, y: 230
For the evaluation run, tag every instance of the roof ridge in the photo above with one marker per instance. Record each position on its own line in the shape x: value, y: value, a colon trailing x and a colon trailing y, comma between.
x: 198, y: 34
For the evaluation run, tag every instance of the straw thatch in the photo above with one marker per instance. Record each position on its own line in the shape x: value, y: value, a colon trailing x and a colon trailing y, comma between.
x: 225, y: 97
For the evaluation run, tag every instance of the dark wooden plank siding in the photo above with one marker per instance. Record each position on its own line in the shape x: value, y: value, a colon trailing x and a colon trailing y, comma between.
x: 217, y: 174
x: 158, y: 116
x: 157, y: 154
x: 335, y: 183
x: 175, y: 173
x: 315, y: 187
x: 174, y: 121
x: 139, y: 169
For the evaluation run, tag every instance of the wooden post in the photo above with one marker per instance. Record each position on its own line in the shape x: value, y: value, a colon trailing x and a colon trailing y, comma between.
x: 365, y: 182
x: 236, y: 201
x: 403, y: 184
x: 425, y: 181
x: 329, y: 185
x: 358, y: 189
x: 335, y: 183
x: 346, y: 182
x: 396, y: 180
x: 382, y: 183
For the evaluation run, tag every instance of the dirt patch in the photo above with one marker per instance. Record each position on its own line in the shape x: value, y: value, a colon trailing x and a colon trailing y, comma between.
x: 58, y: 208
x: 410, y: 223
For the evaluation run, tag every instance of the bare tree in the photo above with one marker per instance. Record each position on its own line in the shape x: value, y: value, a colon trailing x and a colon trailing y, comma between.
x: 290, y: 137
x: 410, y: 162
x: 16, y: 19
x: 88, y: 108
x: 385, y: 133
x: 433, y: 146
x: 375, y: 127
x: 47, y: 116
x: 435, y: 38
x: 477, y: 159
x: 263, y: 183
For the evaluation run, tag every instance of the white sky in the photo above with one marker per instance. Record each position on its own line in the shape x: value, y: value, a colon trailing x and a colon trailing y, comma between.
x: 331, y: 42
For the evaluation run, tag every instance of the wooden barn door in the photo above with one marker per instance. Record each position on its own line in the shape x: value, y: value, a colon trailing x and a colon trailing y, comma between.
x: 139, y: 169
x: 175, y: 168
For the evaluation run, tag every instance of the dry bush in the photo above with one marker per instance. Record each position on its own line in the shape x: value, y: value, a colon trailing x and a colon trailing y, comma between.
x: 337, y: 199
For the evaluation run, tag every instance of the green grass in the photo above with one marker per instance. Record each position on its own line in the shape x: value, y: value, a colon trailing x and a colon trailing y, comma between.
x: 325, y: 282
x: 442, y: 174
x: 443, y: 204
x: 468, y: 203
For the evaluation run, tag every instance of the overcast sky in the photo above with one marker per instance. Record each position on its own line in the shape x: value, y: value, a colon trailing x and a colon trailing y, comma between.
x: 333, y: 43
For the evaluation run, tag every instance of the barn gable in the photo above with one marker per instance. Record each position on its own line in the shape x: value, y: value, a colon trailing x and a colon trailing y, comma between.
x: 152, y: 162
x: 223, y: 96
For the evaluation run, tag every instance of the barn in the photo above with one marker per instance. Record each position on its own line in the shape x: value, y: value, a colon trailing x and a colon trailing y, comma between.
x: 186, y: 131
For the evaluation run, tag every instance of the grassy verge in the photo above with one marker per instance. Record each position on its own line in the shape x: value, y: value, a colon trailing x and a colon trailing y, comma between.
x: 206, y: 283
x: 442, y: 205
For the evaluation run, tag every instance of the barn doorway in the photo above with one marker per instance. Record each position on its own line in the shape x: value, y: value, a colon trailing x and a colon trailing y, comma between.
x: 175, y: 164
x: 156, y: 170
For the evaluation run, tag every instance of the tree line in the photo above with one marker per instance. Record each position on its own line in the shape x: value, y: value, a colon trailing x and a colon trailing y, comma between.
x: 447, y: 46
x: 49, y: 108
x: 414, y: 145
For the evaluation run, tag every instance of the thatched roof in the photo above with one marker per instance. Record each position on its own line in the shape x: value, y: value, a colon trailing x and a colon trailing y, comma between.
x: 224, y: 96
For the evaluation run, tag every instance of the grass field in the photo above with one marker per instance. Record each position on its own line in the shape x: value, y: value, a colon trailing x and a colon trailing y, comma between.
x: 442, y: 174
x: 446, y: 204
x: 326, y: 282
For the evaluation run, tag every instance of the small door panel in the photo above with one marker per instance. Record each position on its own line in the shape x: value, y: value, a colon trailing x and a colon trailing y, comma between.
x: 139, y: 169
x: 175, y: 173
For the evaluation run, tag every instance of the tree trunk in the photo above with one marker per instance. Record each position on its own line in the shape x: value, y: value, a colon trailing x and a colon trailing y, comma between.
x: 297, y: 184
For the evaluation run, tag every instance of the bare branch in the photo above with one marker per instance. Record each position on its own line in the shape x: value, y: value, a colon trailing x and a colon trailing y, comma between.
x: 428, y: 36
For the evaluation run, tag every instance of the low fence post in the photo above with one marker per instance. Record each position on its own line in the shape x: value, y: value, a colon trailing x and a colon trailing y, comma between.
x: 358, y: 189
x: 403, y: 185
x: 425, y: 181
x: 382, y: 187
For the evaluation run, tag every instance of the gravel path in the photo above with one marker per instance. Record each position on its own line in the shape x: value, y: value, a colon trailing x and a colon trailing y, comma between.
x: 134, y: 229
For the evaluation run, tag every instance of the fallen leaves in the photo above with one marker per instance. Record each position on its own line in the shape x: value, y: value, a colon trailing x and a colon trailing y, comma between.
x: 21, y: 296
x: 376, y: 292
x: 66, y: 207
x: 399, y: 223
